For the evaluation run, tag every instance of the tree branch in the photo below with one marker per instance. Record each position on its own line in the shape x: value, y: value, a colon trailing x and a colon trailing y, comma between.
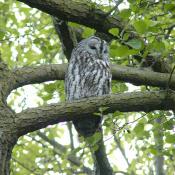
x: 60, y: 149
x: 79, y: 12
x: 39, y: 74
x: 66, y: 35
x: 34, y: 74
x: 117, y: 141
x: 24, y: 166
x: 36, y: 118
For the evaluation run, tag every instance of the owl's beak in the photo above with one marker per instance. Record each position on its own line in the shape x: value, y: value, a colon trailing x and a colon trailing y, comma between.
x: 100, y: 54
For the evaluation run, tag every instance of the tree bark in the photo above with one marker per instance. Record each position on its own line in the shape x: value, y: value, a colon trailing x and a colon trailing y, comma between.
x: 79, y: 12
x: 36, y: 118
x: 5, y: 155
x: 39, y: 74
x: 8, y: 138
x: 159, y: 158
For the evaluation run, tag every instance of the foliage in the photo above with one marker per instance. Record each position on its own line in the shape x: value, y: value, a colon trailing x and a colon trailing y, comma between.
x: 27, y: 37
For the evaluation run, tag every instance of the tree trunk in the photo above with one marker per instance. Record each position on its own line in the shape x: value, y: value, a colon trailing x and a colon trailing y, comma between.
x: 5, y: 154
x: 8, y: 137
x: 159, y: 159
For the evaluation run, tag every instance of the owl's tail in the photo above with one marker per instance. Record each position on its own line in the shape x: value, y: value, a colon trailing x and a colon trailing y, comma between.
x: 86, y: 127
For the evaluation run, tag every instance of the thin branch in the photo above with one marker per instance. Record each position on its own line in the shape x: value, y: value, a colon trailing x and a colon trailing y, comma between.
x: 121, y: 149
x: 169, y: 31
x: 69, y: 126
x: 24, y: 166
x: 118, y: 128
x: 170, y: 78
x: 158, y: 139
x: 61, y: 150
x: 114, y: 8
x: 52, y: 142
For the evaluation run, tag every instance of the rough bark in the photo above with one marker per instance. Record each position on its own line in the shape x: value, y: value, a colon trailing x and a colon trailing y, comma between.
x: 67, y: 36
x: 36, y: 118
x: 79, y: 12
x: 39, y: 74
x: 5, y: 156
x: 8, y: 138
x: 4, y: 159
x: 159, y: 158
x: 34, y: 74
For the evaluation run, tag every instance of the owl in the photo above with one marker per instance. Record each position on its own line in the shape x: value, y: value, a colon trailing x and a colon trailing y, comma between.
x: 88, y: 75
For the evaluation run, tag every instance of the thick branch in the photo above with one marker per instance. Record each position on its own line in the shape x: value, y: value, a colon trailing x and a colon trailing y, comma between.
x: 34, y: 74
x: 37, y: 118
x: 79, y: 12
x: 139, y: 76
x: 39, y: 74
x: 66, y: 36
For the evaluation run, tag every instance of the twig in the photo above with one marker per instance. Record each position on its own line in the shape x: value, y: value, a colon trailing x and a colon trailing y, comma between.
x: 114, y: 8
x: 169, y: 31
x: 123, y: 126
x: 121, y: 149
x: 24, y: 166
x: 171, y: 74
x: 69, y: 126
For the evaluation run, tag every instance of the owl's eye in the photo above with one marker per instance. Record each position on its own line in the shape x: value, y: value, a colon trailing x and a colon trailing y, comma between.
x: 105, y: 51
x: 93, y: 47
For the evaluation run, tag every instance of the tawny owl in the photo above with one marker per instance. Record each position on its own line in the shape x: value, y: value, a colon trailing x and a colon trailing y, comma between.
x: 88, y: 75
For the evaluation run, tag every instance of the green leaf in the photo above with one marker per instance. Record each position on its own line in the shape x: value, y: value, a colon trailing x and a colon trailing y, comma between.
x: 135, y: 43
x: 168, y: 125
x: 88, y: 32
x: 139, y: 128
x: 2, y: 34
x: 92, y: 140
x: 169, y: 7
x: 141, y: 26
x: 125, y: 36
x: 157, y: 46
x: 114, y: 31
x: 120, y: 51
x: 37, y: 40
x: 125, y: 14
x: 170, y: 138
x: 76, y: 150
x: 94, y: 148
x: 153, y: 150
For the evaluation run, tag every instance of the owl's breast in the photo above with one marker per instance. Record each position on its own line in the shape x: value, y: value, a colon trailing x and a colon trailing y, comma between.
x: 89, y: 79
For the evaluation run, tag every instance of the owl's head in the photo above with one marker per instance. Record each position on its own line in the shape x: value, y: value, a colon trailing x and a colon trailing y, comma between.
x: 94, y: 46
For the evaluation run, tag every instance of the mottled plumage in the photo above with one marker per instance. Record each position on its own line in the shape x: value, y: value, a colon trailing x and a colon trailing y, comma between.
x: 88, y: 75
